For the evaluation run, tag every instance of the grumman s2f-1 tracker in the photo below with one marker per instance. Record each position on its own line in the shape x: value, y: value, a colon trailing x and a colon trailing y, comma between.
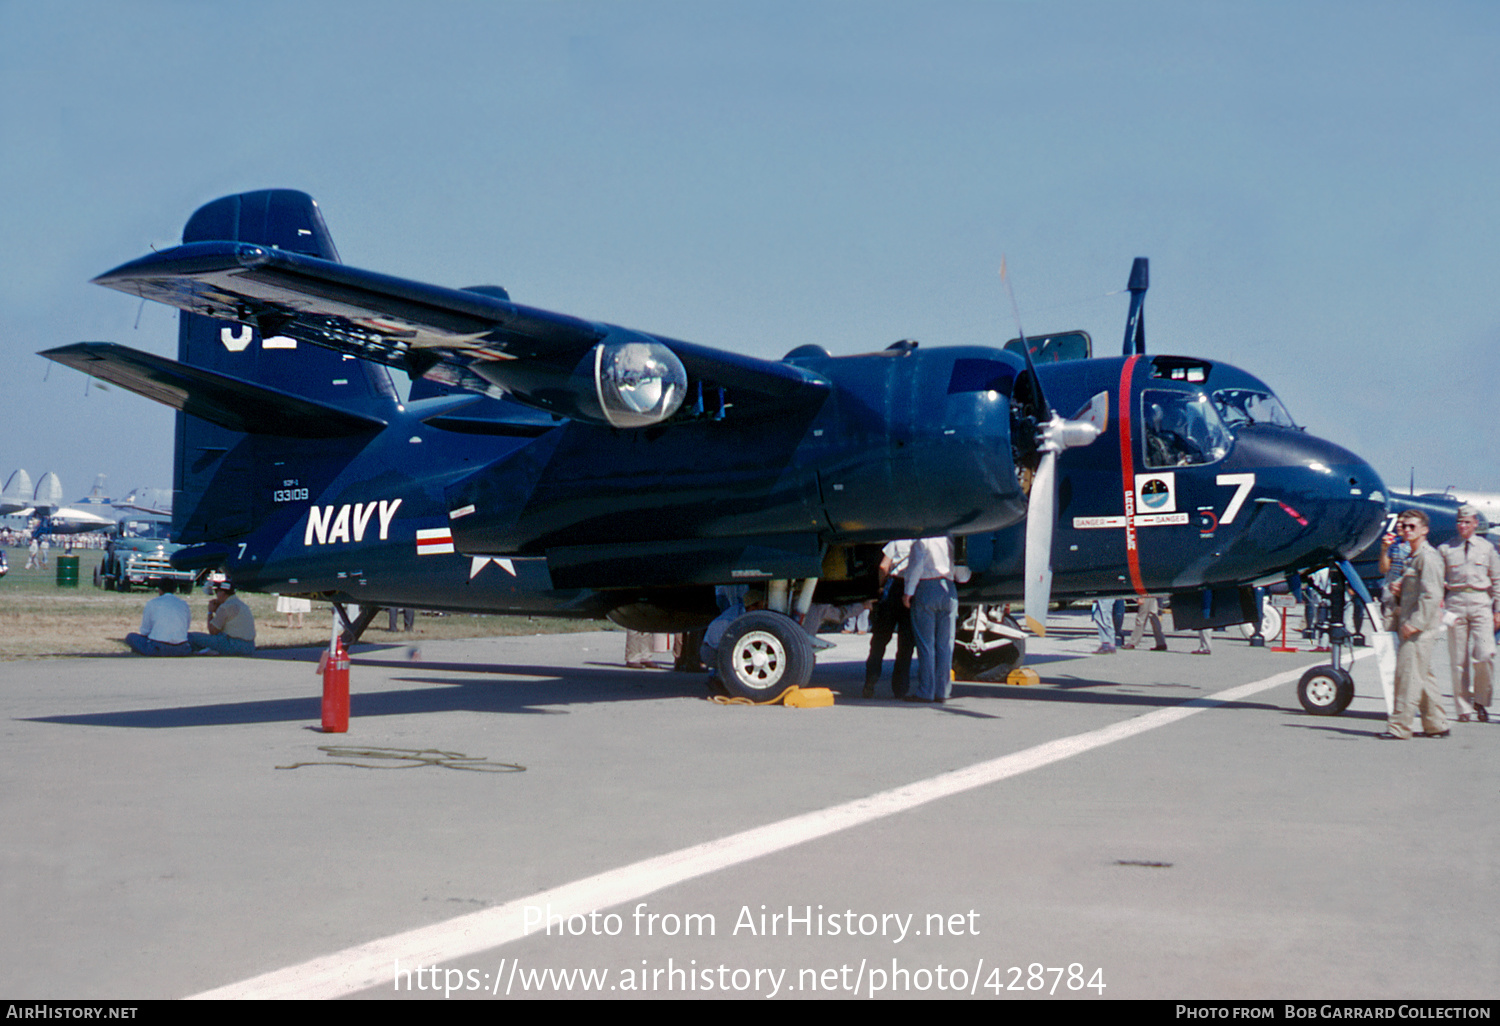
x: 544, y: 464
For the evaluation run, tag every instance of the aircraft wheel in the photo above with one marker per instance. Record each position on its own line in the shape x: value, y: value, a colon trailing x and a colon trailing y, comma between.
x: 1270, y: 624
x: 1325, y: 690
x: 762, y: 654
x: 990, y: 664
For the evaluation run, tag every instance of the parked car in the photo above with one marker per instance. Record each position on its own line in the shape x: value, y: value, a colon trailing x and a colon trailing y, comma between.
x: 139, y: 556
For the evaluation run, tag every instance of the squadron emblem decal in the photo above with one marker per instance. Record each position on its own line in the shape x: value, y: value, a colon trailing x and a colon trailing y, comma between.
x: 1156, y: 495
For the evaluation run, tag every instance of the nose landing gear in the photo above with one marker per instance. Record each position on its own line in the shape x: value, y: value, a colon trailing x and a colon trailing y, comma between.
x: 1328, y: 690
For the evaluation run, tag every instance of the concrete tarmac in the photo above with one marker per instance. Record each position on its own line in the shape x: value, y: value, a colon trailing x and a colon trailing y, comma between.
x: 156, y: 844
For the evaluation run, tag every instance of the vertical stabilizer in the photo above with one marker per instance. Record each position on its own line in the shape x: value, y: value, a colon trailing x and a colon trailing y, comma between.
x: 215, y: 476
x: 17, y: 493
x: 49, y: 493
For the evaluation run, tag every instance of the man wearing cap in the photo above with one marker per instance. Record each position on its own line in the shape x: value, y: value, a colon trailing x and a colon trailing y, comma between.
x: 1419, y: 615
x: 231, y: 625
x: 1471, y: 576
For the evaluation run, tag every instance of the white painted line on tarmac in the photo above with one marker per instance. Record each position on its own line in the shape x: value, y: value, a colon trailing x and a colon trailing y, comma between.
x: 372, y: 964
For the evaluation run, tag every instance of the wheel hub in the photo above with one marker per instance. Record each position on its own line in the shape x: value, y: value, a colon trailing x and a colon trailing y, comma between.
x: 760, y: 659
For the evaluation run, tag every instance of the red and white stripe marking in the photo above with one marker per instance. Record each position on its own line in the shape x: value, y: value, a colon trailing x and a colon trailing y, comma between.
x: 434, y: 542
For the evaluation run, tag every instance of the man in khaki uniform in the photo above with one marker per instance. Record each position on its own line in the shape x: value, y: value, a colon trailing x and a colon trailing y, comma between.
x: 1471, y: 574
x: 1418, y: 617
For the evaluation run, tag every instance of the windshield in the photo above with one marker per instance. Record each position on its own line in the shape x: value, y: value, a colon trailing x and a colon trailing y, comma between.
x: 1182, y: 429
x: 158, y: 529
x: 1240, y: 406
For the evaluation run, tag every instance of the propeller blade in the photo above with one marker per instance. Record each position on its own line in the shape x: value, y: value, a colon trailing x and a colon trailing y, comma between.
x: 1045, y: 413
x: 1041, y: 505
x: 1054, y: 434
x: 1041, y: 513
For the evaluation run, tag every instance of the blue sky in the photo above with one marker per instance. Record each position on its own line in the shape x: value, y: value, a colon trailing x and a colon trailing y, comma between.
x: 1315, y: 183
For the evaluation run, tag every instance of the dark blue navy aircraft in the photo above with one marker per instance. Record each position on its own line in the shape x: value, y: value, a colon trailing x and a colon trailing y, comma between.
x: 547, y: 464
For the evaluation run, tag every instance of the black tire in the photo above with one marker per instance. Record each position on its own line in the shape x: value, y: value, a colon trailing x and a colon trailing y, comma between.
x: 1325, y: 690
x: 99, y: 576
x: 991, y: 664
x: 122, y: 583
x: 762, y: 654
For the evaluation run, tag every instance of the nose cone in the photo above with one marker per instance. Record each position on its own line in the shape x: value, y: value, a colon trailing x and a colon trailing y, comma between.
x: 1313, y: 501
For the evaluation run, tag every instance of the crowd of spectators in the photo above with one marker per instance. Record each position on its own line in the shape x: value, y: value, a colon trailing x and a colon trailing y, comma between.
x: 12, y: 538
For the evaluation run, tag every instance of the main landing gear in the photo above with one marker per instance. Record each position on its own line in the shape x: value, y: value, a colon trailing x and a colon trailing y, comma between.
x: 766, y: 651
x: 762, y: 654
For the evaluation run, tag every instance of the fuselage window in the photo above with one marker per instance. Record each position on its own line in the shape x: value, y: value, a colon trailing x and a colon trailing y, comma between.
x: 1182, y: 429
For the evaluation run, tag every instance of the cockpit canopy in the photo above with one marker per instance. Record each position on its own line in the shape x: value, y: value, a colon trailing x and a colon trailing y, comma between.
x: 1241, y: 406
x: 1182, y: 429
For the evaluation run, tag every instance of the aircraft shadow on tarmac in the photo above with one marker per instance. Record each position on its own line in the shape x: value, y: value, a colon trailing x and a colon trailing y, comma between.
x: 451, y: 695
x: 546, y: 688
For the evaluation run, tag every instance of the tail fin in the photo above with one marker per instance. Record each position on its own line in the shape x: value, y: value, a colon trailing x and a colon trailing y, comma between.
x: 291, y: 221
x: 217, y: 471
x: 49, y: 493
x: 17, y: 494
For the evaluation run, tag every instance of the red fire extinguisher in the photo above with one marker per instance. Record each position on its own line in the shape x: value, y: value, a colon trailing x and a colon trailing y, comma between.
x: 336, y: 690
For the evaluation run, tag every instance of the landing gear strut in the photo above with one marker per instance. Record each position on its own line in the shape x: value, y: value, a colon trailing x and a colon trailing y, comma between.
x: 1328, y: 690
x: 356, y: 627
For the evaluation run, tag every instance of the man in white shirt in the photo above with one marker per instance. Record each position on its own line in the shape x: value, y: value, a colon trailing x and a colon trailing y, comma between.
x: 931, y: 593
x: 164, y: 625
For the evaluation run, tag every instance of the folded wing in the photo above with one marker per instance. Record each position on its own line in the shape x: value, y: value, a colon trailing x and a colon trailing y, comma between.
x: 473, y: 339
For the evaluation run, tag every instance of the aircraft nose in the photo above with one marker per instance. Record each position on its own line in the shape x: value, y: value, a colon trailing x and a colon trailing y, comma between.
x: 1314, y: 500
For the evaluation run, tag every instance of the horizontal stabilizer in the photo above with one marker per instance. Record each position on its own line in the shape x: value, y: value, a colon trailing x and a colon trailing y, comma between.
x: 217, y: 398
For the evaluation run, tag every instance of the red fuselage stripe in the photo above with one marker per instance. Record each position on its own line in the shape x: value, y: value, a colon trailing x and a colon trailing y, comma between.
x: 1127, y: 474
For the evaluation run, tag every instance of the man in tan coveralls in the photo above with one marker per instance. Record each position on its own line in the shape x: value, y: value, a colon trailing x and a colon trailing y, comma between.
x: 1471, y: 572
x: 1418, y: 618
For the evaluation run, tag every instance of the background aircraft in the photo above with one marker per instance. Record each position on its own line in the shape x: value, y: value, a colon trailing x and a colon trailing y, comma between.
x: 45, y: 502
x: 1487, y: 503
x: 544, y: 463
x: 18, y: 493
x: 155, y: 501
